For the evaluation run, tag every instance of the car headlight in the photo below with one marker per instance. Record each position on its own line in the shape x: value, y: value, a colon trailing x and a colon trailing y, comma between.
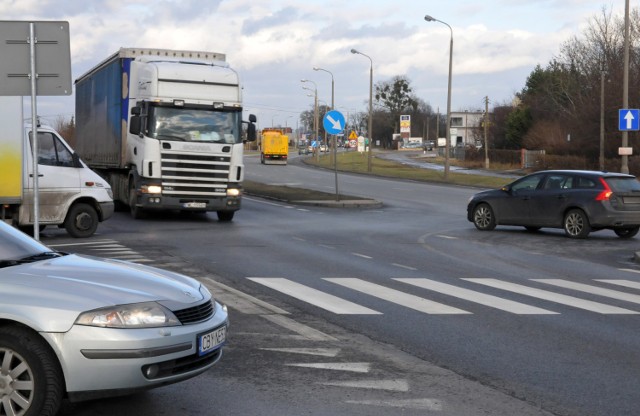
x: 137, y: 315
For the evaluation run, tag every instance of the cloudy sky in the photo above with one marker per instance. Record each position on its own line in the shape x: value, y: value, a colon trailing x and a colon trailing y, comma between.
x: 274, y: 44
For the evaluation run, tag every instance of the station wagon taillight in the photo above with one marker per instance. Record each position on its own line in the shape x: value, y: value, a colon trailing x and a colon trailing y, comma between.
x: 606, y: 193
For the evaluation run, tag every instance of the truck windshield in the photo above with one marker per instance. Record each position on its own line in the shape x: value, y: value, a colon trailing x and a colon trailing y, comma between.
x: 194, y: 125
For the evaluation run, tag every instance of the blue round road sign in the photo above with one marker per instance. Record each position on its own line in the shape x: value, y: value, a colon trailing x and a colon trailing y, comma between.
x: 333, y: 122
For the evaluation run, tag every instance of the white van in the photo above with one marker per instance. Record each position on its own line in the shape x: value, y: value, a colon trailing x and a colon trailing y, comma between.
x: 70, y: 195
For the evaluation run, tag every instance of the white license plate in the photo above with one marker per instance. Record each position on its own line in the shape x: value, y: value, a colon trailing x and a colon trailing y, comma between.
x: 194, y: 205
x: 211, y: 341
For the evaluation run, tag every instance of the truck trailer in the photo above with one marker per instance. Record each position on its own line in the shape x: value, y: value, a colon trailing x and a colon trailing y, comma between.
x: 69, y: 194
x: 165, y: 128
x: 274, y: 147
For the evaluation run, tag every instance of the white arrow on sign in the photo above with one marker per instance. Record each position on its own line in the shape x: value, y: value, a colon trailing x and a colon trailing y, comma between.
x: 629, y: 117
x: 336, y: 123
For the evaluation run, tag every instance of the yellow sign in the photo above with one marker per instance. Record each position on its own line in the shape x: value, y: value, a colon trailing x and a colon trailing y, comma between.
x: 353, y: 135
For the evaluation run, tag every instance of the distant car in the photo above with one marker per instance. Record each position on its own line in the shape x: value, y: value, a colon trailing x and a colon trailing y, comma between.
x: 324, y: 148
x: 81, y: 327
x: 577, y: 201
x: 303, y: 150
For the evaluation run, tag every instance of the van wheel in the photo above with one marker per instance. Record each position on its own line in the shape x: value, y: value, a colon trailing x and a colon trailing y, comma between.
x: 626, y: 232
x: 225, y: 216
x: 82, y: 221
x: 30, y: 373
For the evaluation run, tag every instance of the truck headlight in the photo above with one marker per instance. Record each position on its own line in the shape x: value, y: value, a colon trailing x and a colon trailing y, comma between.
x: 137, y: 315
x: 151, y: 189
x: 233, y: 192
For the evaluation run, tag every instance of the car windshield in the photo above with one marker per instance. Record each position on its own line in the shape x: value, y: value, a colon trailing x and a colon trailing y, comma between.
x: 623, y: 184
x: 195, y: 125
x: 15, y: 245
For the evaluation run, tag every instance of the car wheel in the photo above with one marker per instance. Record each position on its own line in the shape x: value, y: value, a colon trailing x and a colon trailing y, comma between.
x: 81, y: 221
x: 30, y: 376
x: 627, y: 232
x: 576, y: 224
x: 483, y: 217
x: 225, y: 216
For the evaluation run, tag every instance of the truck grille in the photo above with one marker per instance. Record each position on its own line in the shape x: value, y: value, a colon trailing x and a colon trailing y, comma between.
x: 188, y: 175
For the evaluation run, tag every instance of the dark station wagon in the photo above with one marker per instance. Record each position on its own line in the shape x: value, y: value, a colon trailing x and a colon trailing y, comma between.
x: 577, y: 201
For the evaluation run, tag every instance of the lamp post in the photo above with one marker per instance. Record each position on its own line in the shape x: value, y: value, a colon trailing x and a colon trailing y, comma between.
x: 625, y: 85
x: 315, y: 114
x: 448, y: 135
x: 334, y: 144
x: 370, y: 107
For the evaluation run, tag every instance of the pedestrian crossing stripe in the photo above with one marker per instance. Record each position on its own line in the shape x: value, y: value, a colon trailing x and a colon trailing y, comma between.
x: 342, y: 306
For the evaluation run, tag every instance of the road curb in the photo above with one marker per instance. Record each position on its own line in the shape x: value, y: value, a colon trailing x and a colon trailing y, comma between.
x: 345, y: 203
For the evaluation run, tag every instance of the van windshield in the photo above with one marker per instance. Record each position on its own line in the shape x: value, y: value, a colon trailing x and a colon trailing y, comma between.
x: 195, y: 125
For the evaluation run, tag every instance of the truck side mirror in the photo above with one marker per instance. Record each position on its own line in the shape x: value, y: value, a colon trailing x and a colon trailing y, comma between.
x: 251, y: 128
x: 135, y: 125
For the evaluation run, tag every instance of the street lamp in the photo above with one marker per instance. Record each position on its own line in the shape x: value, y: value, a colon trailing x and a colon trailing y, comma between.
x: 315, y: 114
x: 448, y: 135
x: 334, y: 152
x: 370, y: 107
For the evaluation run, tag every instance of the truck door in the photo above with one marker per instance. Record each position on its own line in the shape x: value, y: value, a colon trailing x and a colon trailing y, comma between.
x: 58, y: 178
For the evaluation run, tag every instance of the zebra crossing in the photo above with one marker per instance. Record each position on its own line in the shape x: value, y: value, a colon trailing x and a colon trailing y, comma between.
x: 601, y: 288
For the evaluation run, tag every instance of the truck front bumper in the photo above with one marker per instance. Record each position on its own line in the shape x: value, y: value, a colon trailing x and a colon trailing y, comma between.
x: 161, y: 202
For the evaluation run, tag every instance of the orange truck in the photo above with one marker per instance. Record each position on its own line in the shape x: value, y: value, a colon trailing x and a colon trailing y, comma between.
x: 275, y: 147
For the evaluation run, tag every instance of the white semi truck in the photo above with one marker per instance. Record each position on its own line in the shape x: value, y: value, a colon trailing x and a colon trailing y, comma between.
x: 70, y: 195
x: 165, y: 128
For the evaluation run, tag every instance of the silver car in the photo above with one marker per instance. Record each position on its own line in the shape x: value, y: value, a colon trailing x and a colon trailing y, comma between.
x: 81, y: 327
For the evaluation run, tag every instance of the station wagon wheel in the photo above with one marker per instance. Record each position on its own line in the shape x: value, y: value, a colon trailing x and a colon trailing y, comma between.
x: 31, y: 380
x: 576, y: 224
x: 627, y: 232
x: 483, y: 217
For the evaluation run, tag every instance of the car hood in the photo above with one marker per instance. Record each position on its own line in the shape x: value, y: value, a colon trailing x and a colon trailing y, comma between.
x: 59, y: 289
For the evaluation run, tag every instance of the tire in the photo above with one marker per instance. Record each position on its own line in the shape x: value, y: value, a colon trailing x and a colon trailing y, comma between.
x: 627, y: 232
x: 225, y: 216
x: 483, y: 217
x: 137, y: 213
x: 30, y: 373
x: 576, y: 224
x: 82, y: 221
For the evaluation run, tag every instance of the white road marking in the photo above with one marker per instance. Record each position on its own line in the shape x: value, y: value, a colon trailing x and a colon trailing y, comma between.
x: 630, y: 270
x: 351, y: 367
x: 321, y: 352
x: 397, y: 297
x: 306, y: 332
x: 389, y: 385
x: 241, y: 301
x: 434, y: 405
x: 624, y: 283
x: 594, y: 290
x: 553, y: 297
x: 448, y: 237
x: 477, y: 297
x: 91, y: 243
x: 313, y: 296
x: 403, y: 266
x: 364, y: 256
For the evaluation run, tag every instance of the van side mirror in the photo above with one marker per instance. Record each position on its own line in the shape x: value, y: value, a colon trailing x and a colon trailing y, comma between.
x: 76, y: 160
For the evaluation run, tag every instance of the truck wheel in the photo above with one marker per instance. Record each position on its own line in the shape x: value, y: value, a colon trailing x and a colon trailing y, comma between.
x: 225, y: 216
x: 29, y: 373
x: 136, y: 212
x: 81, y: 221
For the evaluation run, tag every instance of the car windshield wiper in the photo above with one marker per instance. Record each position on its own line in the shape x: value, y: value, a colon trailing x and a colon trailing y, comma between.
x: 168, y: 136
x: 34, y: 257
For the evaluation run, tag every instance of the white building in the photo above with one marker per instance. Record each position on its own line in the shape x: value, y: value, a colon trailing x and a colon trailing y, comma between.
x: 466, y: 128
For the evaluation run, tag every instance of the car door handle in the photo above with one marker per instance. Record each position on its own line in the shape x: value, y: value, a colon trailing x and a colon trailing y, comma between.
x: 40, y: 175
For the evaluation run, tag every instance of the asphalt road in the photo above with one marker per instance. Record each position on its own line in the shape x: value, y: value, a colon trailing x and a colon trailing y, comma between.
x: 405, y: 307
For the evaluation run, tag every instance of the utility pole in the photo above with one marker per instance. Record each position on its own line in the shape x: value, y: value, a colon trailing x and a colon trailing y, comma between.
x: 625, y: 85
x: 486, y: 135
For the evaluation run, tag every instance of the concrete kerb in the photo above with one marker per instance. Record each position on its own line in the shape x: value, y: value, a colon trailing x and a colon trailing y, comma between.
x: 343, y: 203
